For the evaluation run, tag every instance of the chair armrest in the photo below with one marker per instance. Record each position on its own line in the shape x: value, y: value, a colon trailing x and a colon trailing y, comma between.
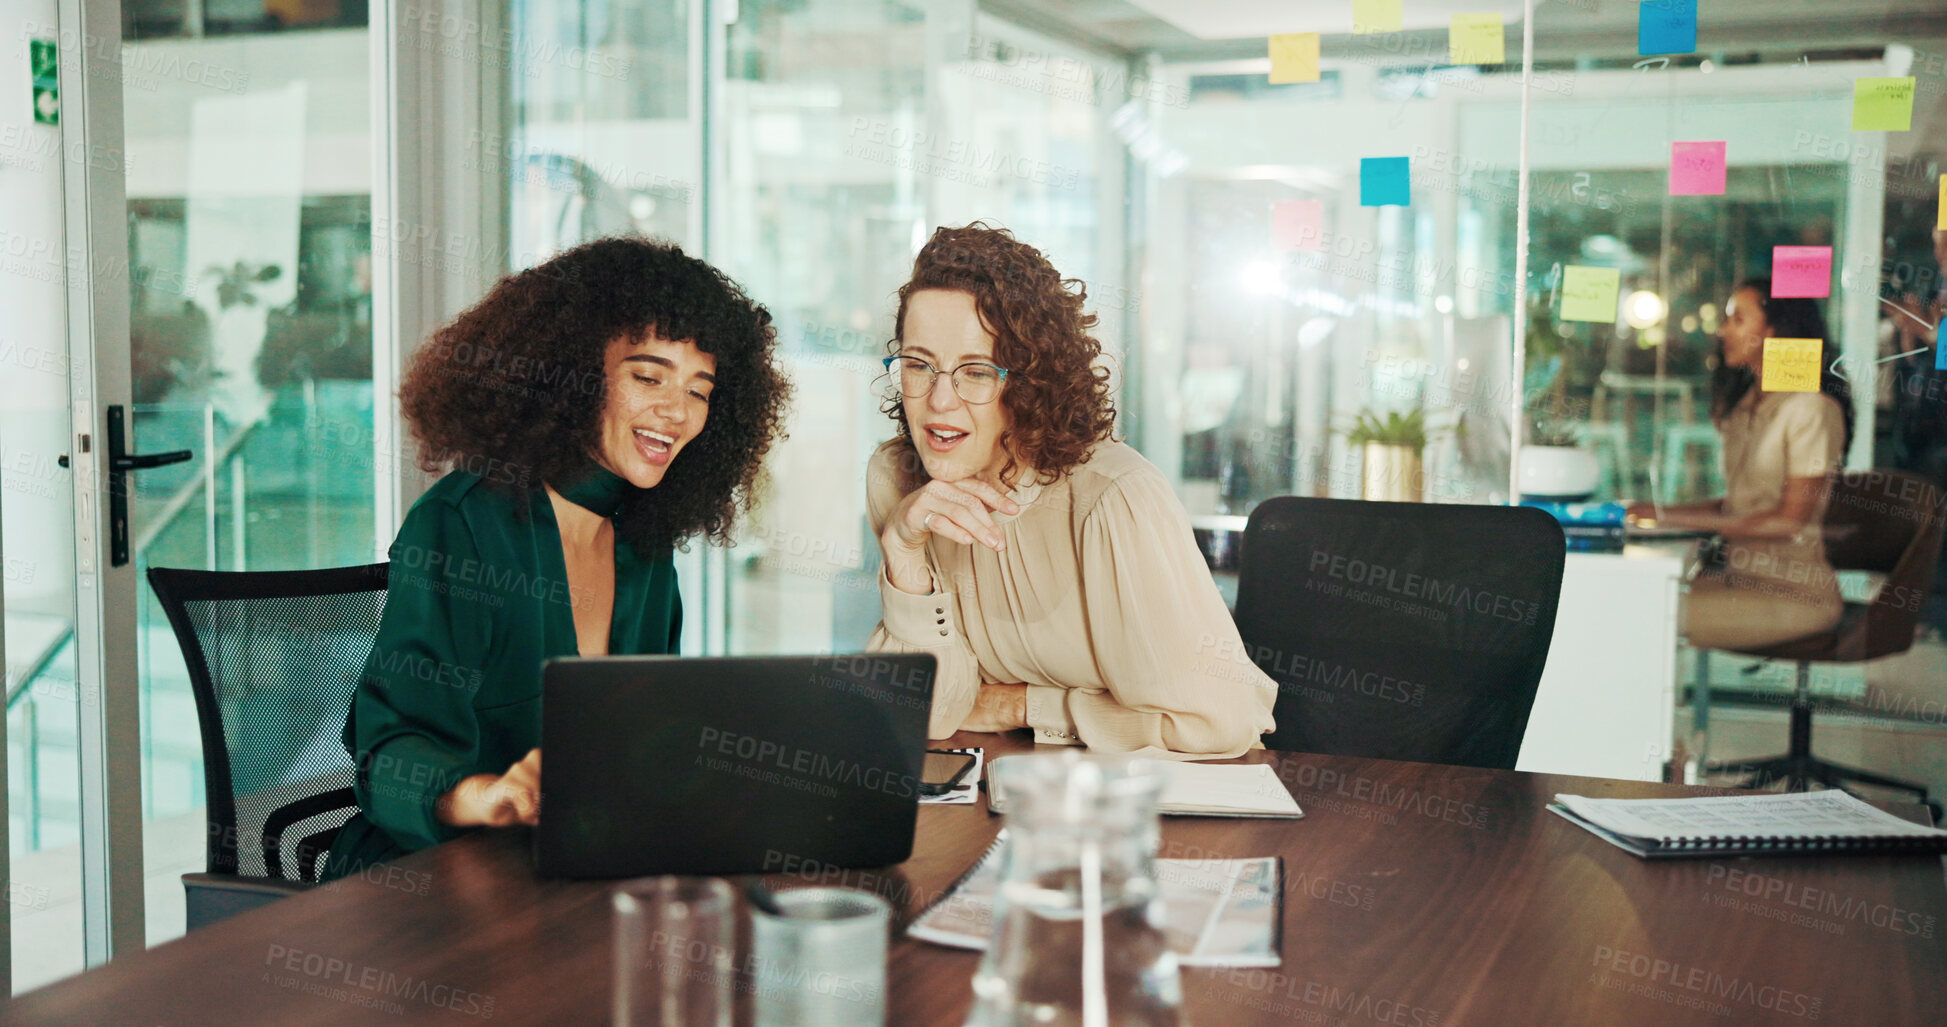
x: 209, y: 898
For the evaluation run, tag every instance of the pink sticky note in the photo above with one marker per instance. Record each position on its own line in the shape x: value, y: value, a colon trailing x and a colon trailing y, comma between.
x: 1697, y: 169
x: 1298, y: 224
x: 1801, y: 271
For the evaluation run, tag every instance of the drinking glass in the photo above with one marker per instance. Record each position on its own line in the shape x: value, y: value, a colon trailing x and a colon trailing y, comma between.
x: 674, y: 938
x: 823, y: 963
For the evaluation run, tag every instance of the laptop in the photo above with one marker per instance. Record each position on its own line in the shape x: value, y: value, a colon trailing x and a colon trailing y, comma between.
x: 730, y: 765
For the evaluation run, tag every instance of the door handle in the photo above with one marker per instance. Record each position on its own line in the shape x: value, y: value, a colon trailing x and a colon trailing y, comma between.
x: 120, y: 462
x: 146, y: 461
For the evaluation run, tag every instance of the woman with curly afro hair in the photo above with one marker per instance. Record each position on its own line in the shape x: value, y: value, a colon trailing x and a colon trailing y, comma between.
x: 1048, y: 567
x: 591, y: 413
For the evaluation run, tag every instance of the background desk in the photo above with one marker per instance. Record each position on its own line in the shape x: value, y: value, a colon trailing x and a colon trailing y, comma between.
x: 1416, y: 895
x: 1608, y: 697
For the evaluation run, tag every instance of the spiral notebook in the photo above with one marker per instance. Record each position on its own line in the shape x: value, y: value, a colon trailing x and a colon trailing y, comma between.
x: 1795, y: 823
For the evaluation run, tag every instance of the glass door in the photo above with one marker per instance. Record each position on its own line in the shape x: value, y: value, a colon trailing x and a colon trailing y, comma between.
x: 194, y: 263
x: 37, y: 510
x: 249, y: 237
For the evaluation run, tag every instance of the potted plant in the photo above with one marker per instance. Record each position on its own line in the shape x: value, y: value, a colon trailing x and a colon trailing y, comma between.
x: 1553, y: 465
x: 1389, y: 454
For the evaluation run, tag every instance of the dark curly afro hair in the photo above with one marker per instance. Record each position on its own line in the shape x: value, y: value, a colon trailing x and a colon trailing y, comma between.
x: 515, y: 387
x: 1057, y: 394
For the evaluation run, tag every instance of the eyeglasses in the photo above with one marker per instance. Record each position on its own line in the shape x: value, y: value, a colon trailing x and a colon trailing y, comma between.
x: 974, y: 382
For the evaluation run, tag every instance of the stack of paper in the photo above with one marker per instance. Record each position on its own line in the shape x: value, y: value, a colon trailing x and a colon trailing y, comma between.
x: 1199, y: 789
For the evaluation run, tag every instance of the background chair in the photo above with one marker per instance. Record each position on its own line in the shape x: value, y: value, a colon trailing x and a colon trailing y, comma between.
x: 274, y: 658
x: 1885, y: 522
x: 1406, y: 631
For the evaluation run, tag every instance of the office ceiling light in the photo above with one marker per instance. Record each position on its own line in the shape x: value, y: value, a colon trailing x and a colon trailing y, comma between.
x: 1644, y: 309
x: 1261, y: 278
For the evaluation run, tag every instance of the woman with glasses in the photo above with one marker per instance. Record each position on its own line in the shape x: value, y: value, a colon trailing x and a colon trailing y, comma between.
x: 1048, y: 567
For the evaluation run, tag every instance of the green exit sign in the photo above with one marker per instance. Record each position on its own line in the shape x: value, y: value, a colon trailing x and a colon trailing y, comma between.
x: 45, y: 61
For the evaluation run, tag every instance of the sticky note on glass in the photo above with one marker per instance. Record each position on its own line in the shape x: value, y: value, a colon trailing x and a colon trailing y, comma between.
x: 1589, y: 293
x: 1792, y: 365
x: 1298, y: 225
x: 1697, y: 169
x: 1476, y: 39
x: 1666, y: 26
x: 1882, y: 104
x: 1294, y: 58
x: 1385, y: 181
x: 1370, y: 16
x: 1801, y: 271
x: 1942, y: 225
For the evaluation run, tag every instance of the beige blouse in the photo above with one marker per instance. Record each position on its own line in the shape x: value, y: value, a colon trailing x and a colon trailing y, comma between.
x: 1767, y: 439
x: 1101, y: 604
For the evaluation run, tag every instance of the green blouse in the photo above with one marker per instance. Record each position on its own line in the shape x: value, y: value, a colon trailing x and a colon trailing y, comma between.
x: 477, y: 598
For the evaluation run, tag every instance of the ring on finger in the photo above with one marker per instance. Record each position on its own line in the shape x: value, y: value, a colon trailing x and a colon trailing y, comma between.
x: 927, y: 524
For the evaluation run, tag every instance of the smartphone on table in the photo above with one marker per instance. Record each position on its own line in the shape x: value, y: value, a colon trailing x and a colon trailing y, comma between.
x: 943, y: 771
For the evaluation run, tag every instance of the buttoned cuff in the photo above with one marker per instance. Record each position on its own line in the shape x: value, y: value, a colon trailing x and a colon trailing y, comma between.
x: 920, y: 621
x: 1048, y: 716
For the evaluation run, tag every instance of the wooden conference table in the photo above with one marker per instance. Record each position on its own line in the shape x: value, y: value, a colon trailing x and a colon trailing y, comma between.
x: 1416, y: 896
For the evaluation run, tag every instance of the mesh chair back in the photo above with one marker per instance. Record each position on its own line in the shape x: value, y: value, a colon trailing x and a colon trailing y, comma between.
x: 1407, y: 631
x: 274, y: 658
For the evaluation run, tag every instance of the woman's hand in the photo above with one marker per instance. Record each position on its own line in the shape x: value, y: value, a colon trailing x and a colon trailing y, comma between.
x: 1640, y: 512
x: 956, y: 510
x: 490, y: 800
x: 998, y: 708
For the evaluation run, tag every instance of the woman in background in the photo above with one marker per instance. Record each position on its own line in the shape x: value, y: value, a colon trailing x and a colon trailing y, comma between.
x: 1048, y: 567
x: 1781, y: 450
x: 592, y: 412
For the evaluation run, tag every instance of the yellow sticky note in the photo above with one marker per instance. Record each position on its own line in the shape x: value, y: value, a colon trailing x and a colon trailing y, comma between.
x: 1476, y: 39
x: 1371, y: 16
x: 1589, y: 293
x: 1882, y: 104
x: 1792, y: 365
x: 1943, y: 204
x: 1294, y: 58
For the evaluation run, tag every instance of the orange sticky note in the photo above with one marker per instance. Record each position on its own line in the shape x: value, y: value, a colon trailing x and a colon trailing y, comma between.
x: 1476, y: 39
x: 1792, y: 365
x: 1372, y: 16
x: 1294, y: 58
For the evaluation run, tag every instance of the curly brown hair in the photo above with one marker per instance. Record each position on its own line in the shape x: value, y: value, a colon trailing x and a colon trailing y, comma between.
x: 1057, y: 395
x: 514, y: 388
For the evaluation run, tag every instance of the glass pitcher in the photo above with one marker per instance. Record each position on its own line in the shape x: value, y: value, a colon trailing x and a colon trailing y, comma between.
x: 1078, y: 923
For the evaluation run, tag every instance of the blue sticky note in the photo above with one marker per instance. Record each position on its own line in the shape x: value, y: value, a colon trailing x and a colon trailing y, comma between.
x: 1385, y: 181
x: 1666, y: 26
x: 1939, y: 357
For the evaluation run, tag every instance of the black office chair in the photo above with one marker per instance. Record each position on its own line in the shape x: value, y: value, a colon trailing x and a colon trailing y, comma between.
x: 1405, y: 631
x: 274, y: 657
x: 1880, y: 521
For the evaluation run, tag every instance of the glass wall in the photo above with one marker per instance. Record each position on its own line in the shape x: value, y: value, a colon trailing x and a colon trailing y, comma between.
x: 1262, y: 294
x: 248, y: 171
x: 851, y: 131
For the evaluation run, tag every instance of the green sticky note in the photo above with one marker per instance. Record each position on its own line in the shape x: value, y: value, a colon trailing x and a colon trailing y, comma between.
x: 1294, y: 58
x: 1589, y: 293
x: 1882, y: 104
